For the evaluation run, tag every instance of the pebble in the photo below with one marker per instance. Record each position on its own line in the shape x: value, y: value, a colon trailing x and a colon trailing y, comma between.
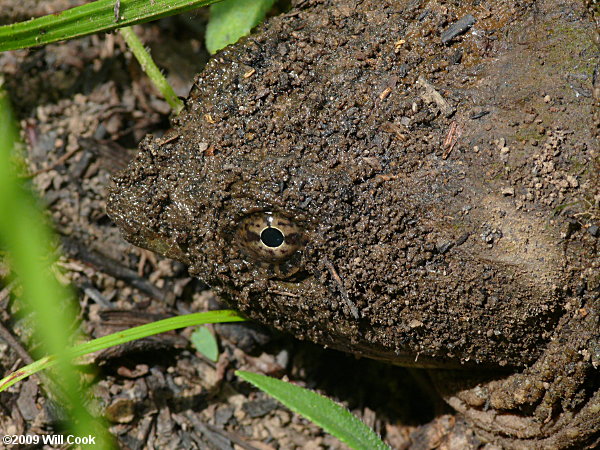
x: 458, y: 28
x: 260, y: 407
x: 444, y: 247
x: 479, y: 115
x: 415, y: 323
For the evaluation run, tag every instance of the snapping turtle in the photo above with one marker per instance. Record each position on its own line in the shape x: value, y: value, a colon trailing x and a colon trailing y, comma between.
x: 411, y: 181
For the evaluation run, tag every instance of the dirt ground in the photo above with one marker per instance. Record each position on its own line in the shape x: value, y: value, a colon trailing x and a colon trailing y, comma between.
x: 84, y: 105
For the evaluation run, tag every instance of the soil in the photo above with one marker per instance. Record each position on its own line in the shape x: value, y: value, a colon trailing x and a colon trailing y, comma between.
x: 85, y: 104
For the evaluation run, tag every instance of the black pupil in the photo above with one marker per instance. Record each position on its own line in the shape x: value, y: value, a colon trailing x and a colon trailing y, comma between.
x: 272, y: 237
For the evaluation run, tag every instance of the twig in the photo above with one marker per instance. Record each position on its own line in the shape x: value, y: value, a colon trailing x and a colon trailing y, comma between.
x: 50, y: 384
x: 233, y: 437
x: 73, y: 249
x: 345, y: 296
x: 4, y: 293
x: 286, y: 294
x: 209, y: 432
x: 451, y: 139
x: 8, y: 337
x: 56, y: 163
x: 431, y: 95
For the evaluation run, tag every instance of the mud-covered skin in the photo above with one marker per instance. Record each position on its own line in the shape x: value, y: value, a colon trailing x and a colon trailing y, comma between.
x: 416, y: 253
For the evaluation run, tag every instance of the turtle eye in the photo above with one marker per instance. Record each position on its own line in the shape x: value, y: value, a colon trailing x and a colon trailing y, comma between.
x: 269, y: 237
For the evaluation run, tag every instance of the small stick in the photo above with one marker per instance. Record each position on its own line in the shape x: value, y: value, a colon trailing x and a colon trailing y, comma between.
x: 56, y: 163
x: 49, y: 383
x: 431, y: 95
x: 345, y: 296
x: 8, y: 337
x: 451, y: 139
x: 286, y: 294
x: 4, y: 293
x: 141, y: 264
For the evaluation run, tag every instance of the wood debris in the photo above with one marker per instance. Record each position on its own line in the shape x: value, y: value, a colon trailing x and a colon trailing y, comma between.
x: 431, y: 95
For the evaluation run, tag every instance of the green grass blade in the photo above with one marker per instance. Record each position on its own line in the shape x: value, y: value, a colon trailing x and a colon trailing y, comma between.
x: 90, y: 18
x: 153, y: 72
x: 122, y: 337
x: 28, y: 240
x: 204, y: 341
x: 232, y: 19
x: 322, y: 411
